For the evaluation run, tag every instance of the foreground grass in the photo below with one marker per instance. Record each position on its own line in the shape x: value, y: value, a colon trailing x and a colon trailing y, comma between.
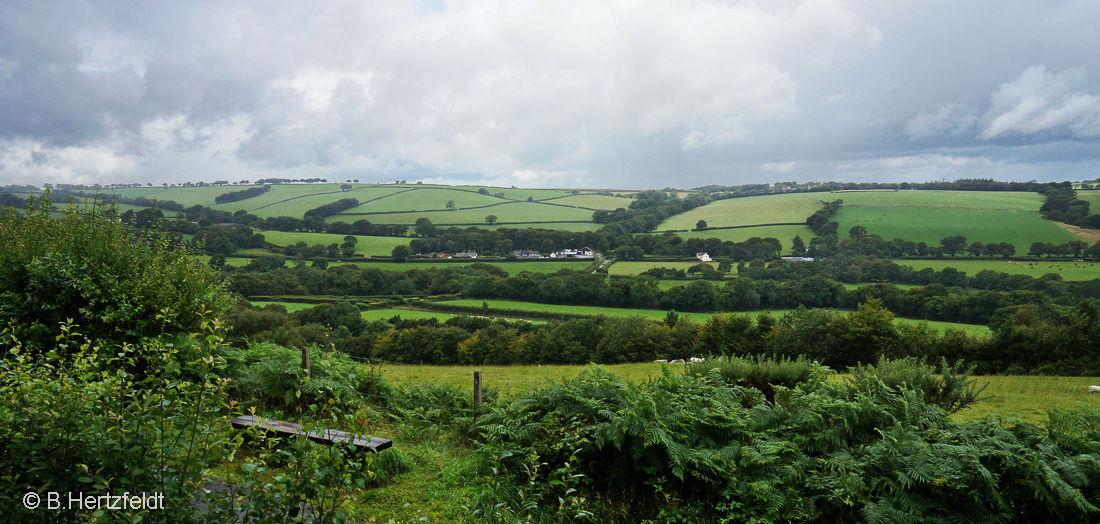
x: 1028, y: 398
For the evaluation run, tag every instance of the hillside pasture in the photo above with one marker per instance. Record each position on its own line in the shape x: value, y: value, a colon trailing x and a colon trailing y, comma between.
x: 505, y: 211
x: 522, y: 193
x: 609, y: 203
x: 513, y: 268
x: 1091, y: 196
x: 767, y: 209
x: 366, y: 246
x: 930, y: 225
x: 561, y: 226
x: 421, y: 199
x: 294, y: 201
x: 1068, y: 270
x: 637, y: 267
x: 929, y: 216
x: 979, y: 200
x: 657, y: 315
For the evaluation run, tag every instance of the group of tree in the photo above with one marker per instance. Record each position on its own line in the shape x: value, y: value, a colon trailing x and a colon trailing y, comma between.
x: 334, y: 208
x: 1062, y: 205
x: 1026, y: 337
x: 235, y: 196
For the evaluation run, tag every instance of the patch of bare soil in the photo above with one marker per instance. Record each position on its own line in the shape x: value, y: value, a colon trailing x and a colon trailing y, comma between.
x: 1091, y: 236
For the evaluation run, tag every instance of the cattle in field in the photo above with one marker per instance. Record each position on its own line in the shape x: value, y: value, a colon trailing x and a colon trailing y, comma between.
x: 1094, y: 389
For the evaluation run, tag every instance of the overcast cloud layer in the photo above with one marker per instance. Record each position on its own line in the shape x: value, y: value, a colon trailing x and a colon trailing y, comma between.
x: 565, y: 93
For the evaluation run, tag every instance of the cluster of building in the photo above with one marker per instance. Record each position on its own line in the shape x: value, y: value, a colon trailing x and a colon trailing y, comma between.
x: 584, y: 252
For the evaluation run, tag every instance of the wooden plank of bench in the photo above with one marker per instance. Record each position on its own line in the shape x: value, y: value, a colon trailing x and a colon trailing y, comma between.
x: 326, y: 436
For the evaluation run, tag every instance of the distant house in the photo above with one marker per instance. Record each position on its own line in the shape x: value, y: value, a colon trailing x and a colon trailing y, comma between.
x: 798, y: 259
x: 524, y: 253
x: 465, y: 255
x: 703, y: 256
x: 583, y: 252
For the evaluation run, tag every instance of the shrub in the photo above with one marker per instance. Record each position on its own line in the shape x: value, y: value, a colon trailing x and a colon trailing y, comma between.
x: 950, y: 387
x: 273, y: 376
x: 760, y: 372
x: 88, y: 267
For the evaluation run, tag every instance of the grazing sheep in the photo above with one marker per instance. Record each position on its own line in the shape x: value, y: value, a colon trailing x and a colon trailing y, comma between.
x: 664, y: 361
x: 677, y: 361
x: 695, y: 359
x: 1094, y: 389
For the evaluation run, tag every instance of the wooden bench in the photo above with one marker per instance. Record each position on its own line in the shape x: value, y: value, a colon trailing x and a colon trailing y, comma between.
x: 278, y: 428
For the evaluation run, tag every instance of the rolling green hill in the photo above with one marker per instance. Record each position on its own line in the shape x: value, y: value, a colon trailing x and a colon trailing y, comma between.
x: 771, y: 209
x: 928, y: 216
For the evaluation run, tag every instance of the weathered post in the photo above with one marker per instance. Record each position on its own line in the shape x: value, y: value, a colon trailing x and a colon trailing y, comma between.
x: 477, y: 389
x: 305, y: 360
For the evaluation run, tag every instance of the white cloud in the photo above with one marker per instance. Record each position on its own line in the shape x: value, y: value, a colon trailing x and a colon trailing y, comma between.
x: 948, y: 119
x: 924, y: 163
x: 1040, y: 101
x: 782, y: 167
x: 29, y: 162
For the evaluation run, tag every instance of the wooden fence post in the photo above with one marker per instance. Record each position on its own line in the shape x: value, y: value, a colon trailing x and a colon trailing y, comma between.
x: 305, y: 360
x: 477, y: 389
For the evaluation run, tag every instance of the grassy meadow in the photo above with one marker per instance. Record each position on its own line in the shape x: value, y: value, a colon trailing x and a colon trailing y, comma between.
x: 785, y: 234
x: 768, y: 209
x: 366, y: 246
x: 534, y: 308
x: 928, y: 216
x: 505, y: 211
x: 629, y: 267
x: 1068, y: 270
x: 1025, y: 397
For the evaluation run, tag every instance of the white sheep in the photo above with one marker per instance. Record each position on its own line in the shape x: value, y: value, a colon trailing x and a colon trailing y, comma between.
x: 661, y: 360
x: 1094, y: 389
x: 695, y: 359
x: 677, y: 361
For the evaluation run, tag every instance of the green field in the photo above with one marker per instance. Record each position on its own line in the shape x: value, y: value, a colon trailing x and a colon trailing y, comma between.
x: 366, y: 246
x: 561, y: 226
x: 513, y: 268
x: 1093, y: 198
x: 505, y: 211
x: 1068, y: 270
x: 386, y: 314
x: 768, y: 209
x: 533, y: 307
x: 658, y: 315
x: 1027, y: 398
x: 637, y: 267
x: 594, y: 202
x: 291, y: 307
x: 782, y: 233
x: 979, y: 200
x: 928, y: 216
x: 522, y: 193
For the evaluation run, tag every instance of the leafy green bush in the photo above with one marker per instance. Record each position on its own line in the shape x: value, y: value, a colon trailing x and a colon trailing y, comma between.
x: 89, y: 267
x: 760, y: 372
x: 690, y: 449
x: 273, y: 376
x: 70, y: 424
x: 950, y: 387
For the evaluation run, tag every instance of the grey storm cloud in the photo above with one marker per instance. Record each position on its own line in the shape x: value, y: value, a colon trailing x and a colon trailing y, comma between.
x: 569, y: 93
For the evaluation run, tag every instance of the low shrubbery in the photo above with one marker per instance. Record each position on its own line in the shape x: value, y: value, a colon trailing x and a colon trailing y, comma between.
x: 699, y: 449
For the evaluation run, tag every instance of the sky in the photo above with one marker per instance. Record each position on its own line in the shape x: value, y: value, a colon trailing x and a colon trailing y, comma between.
x: 588, y: 93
